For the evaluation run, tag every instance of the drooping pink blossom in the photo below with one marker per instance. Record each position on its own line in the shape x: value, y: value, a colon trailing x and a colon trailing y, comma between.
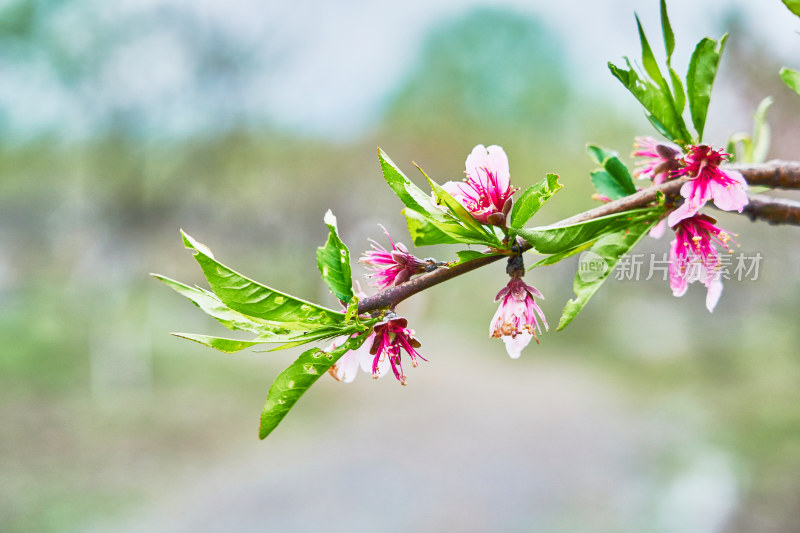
x: 390, y: 336
x: 487, y: 187
x: 708, y: 181
x: 516, y: 318
x: 694, y: 257
x: 659, y: 159
x: 391, y: 267
x: 346, y: 368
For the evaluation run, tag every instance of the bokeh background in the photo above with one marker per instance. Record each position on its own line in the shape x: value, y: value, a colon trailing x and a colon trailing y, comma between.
x: 242, y: 122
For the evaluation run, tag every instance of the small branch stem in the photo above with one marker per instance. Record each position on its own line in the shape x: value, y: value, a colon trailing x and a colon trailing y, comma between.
x: 773, y: 210
x: 774, y: 174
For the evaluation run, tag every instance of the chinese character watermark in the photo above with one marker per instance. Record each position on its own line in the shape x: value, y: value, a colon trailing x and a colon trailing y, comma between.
x: 644, y: 267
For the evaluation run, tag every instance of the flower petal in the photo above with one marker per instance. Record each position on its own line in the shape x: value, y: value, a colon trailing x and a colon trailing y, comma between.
x: 683, y: 212
x: 346, y: 368
x: 514, y: 345
x: 658, y: 230
x: 498, y: 163
x: 730, y: 197
x: 714, y: 292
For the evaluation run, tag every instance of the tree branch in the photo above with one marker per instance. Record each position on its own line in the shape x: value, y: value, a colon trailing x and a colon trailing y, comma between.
x: 773, y: 210
x: 774, y: 174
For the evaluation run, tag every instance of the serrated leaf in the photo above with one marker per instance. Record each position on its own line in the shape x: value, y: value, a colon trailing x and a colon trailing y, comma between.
x: 469, y: 255
x: 655, y: 100
x: 212, y: 306
x: 791, y: 78
x: 333, y: 261
x: 614, y: 180
x: 423, y: 204
x: 425, y: 233
x: 555, y: 258
x: 317, y: 334
x: 793, y: 5
x: 412, y: 196
x: 219, y: 343
x: 659, y: 127
x: 666, y: 31
x: 648, y: 59
x: 610, y: 248
x: 293, y: 382
x: 700, y: 80
x: 474, y: 229
x: 559, y: 239
x: 532, y: 200
x: 256, y: 300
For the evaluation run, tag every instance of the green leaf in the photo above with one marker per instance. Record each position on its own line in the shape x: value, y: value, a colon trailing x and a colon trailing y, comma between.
x: 532, y: 200
x: 791, y: 78
x: 255, y: 300
x: 678, y: 92
x: 293, y: 382
x: 730, y: 148
x: 761, y: 132
x: 700, y: 79
x: 656, y: 101
x: 219, y: 343
x: 423, y: 204
x: 666, y: 31
x: 648, y: 59
x: 211, y: 305
x: 352, y: 309
x: 475, y: 229
x: 469, y: 255
x: 318, y: 334
x: 610, y: 248
x: 793, y: 5
x: 333, y: 261
x: 558, y: 239
x: 425, y: 233
x: 412, y: 196
x: 555, y: 258
x: 614, y: 180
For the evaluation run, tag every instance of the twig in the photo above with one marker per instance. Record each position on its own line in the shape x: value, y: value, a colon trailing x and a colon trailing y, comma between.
x: 773, y: 210
x: 775, y: 174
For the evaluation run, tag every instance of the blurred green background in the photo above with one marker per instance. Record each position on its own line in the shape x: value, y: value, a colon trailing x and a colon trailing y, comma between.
x: 242, y: 122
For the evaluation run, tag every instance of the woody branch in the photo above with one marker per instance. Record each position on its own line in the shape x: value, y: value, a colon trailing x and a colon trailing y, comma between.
x: 773, y: 174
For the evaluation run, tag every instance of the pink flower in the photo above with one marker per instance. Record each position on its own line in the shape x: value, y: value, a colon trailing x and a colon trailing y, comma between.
x: 391, y: 336
x: 708, y: 181
x: 515, y: 320
x: 391, y: 267
x: 693, y: 257
x: 487, y: 187
x: 346, y: 368
x: 660, y: 159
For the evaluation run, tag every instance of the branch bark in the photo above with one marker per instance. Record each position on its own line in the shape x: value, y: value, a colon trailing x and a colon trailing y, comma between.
x: 773, y: 210
x: 774, y: 174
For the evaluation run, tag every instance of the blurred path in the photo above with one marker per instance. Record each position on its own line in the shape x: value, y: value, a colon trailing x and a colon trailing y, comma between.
x: 481, y: 446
